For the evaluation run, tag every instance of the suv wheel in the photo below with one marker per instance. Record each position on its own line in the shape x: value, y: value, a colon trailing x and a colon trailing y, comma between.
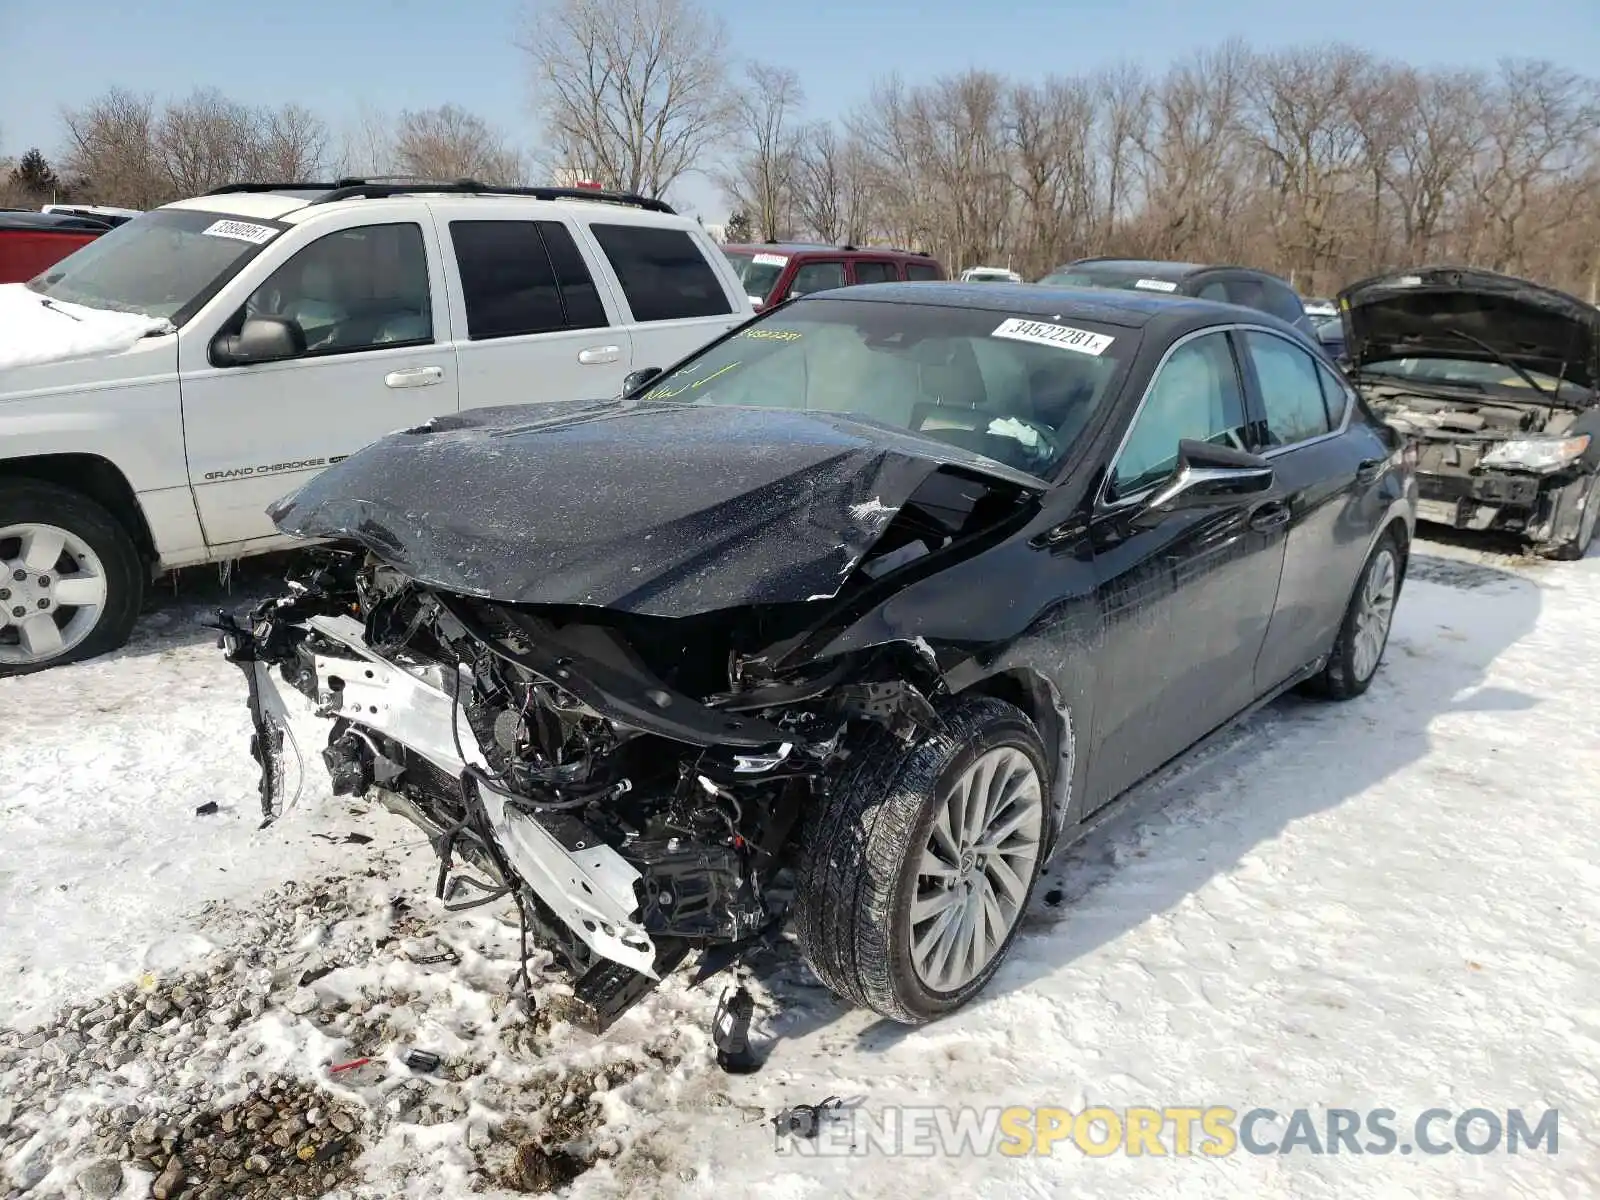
x: 919, y: 864
x: 70, y: 578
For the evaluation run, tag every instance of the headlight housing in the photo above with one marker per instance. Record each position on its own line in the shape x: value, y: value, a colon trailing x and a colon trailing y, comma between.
x: 1536, y: 453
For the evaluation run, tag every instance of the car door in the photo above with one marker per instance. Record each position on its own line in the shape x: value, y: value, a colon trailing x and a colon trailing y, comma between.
x: 1185, y: 598
x: 1331, y: 475
x: 531, y: 322
x: 370, y: 298
x: 674, y: 299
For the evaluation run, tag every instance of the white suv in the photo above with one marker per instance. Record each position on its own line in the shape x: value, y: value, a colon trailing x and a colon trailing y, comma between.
x: 162, y: 386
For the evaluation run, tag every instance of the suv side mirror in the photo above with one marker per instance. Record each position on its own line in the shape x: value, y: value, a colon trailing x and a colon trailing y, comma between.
x: 637, y: 379
x: 1207, y: 474
x: 259, y: 340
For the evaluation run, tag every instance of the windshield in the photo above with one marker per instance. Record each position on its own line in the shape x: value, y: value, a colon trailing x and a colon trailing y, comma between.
x: 1016, y: 390
x: 161, y: 264
x: 757, y: 272
x: 1469, y: 373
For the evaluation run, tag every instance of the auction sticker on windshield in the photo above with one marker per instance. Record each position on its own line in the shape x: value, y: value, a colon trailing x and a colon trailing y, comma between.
x: 1064, y: 337
x: 241, y: 231
x: 1156, y: 285
x: 769, y: 260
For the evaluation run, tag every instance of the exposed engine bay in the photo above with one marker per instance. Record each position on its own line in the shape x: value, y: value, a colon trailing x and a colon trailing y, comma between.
x: 1467, y: 479
x: 635, y: 783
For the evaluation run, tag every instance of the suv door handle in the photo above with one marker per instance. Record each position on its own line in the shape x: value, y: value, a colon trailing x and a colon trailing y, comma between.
x: 1270, y: 515
x: 599, y: 354
x: 1368, y: 469
x: 414, y: 377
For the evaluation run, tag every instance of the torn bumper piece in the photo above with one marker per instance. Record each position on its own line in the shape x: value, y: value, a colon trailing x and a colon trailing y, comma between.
x: 1539, y: 507
x: 585, y: 884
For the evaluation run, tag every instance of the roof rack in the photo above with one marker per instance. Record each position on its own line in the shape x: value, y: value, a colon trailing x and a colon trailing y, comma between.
x: 377, y: 189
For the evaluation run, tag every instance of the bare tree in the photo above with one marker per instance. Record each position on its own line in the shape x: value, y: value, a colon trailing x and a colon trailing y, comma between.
x: 1056, y: 171
x: 367, y: 144
x: 761, y: 179
x: 631, y: 92
x: 293, y: 145
x: 111, y: 147
x: 833, y: 185
x: 450, y: 143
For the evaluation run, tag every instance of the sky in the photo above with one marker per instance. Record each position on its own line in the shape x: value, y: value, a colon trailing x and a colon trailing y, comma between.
x: 341, y: 56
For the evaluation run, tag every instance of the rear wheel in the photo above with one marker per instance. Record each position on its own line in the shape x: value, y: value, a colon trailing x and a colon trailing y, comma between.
x: 70, y: 578
x: 919, y: 864
x: 1364, y: 633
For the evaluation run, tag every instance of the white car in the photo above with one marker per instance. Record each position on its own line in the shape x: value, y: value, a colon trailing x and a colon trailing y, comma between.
x: 990, y: 275
x: 1319, y: 309
x: 163, y: 385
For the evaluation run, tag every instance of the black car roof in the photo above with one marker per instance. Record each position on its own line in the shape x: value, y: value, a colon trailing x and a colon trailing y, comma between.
x: 1047, y: 302
x: 58, y: 222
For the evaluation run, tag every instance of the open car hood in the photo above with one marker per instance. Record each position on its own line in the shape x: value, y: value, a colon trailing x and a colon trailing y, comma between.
x: 649, y: 508
x: 1408, y: 314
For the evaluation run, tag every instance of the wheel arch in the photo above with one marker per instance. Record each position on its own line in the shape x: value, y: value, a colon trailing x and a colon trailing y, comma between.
x: 97, y: 478
x: 1042, y: 703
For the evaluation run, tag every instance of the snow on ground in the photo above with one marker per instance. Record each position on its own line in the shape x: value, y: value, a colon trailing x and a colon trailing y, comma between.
x: 1385, y: 904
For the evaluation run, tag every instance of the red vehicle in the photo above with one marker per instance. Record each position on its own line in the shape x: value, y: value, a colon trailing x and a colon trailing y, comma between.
x: 32, y: 241
x: 776, y: 271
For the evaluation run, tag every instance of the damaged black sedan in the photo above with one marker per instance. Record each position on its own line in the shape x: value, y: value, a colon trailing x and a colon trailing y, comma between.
x: 849, y: 621
x: 1495, y: 378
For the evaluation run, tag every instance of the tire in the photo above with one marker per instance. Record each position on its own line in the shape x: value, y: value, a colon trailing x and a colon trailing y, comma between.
x: 1578, y: 545
x: 95, y: 547
x: 1343, y: 677
x: 863, y: 852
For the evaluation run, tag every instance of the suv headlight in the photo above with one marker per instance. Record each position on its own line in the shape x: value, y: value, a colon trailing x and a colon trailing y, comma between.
x: 1536, y: 453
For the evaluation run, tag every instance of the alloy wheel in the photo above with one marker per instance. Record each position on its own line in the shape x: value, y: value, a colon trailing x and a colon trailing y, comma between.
x: 52, y: 593
x: 1374, y: 613
x: 976, y: 869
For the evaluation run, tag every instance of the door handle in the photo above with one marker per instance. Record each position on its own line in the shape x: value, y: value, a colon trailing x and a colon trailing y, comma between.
x: 1271, y: 515
x: 414, y: 377
x: 599, y: 354
x: 1368, y: 470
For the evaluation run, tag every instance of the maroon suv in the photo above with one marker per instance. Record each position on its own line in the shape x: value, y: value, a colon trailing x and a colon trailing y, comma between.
x: 775, y: 271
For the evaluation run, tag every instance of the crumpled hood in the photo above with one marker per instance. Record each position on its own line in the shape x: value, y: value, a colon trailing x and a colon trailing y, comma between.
x: 1407, y: 314
x: 650, y: 508
x: 36, y: 330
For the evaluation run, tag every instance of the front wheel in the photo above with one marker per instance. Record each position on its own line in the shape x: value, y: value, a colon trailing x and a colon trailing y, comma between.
x: 1364, y: 633
x: 1578, y: 544
x: 71, y: 582
x: 918, y: 865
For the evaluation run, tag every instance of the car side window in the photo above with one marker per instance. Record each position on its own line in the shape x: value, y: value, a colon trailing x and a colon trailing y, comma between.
x: 507, y: 281
x: 1195, y: 395
x: 1242, y: 289
x: 663, y: 274
x: 364, y: 288
x: 1282, y: 303
x: 817, y: 277
x: 579, y: 296
x: 1291, y: 392
x: 1336, y: 395
x: 875, y: 272
x: 922, y: 271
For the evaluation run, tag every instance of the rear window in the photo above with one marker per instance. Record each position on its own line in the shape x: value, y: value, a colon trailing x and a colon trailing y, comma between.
x: 923, y: 272
x: 1123, y: 276
x: 663, y: 274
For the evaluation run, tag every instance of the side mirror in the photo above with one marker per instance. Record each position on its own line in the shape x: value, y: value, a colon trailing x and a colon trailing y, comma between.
x: 1207, y: 475
x: 259, y: 340
x: 637, y: 379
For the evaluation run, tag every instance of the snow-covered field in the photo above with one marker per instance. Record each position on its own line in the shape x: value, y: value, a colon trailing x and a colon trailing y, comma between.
x: 1386, y: 904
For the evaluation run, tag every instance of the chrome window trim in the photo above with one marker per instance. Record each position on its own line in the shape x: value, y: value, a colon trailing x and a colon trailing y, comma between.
x: 1101, y: 504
